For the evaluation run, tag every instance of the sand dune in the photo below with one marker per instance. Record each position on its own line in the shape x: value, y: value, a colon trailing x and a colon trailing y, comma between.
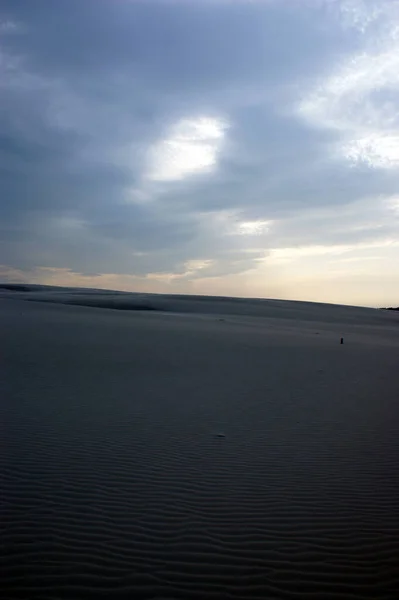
x: 210, y: 305
x: 204, y: 449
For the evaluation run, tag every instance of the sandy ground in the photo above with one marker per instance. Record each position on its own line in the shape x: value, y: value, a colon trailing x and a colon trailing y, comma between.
x: 207, y: 454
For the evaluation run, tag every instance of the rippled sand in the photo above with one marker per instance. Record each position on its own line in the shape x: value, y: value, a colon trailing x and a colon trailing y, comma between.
x: 207, y: 448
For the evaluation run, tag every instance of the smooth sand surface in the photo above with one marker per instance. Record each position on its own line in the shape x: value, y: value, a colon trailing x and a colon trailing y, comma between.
x: 233, y: 450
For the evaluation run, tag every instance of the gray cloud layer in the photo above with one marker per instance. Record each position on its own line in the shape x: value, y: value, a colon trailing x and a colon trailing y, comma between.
x: 99, y: 174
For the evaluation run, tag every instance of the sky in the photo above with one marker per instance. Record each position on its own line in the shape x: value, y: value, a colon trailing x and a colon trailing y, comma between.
x: 219, y: 147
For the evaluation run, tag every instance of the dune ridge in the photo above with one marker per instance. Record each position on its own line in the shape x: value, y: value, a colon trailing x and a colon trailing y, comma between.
x: 192, y: 304
x: 154, y: 457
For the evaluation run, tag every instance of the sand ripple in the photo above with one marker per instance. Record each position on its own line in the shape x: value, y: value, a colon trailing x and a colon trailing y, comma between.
x: 115, y: 483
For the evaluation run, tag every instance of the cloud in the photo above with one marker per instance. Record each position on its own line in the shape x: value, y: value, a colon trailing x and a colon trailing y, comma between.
x: 358, y: 99
x: 293, y: 254
x: 186, y: 145
x: 361, y: 14
x: 253, y: 227
x: 192, y: 147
